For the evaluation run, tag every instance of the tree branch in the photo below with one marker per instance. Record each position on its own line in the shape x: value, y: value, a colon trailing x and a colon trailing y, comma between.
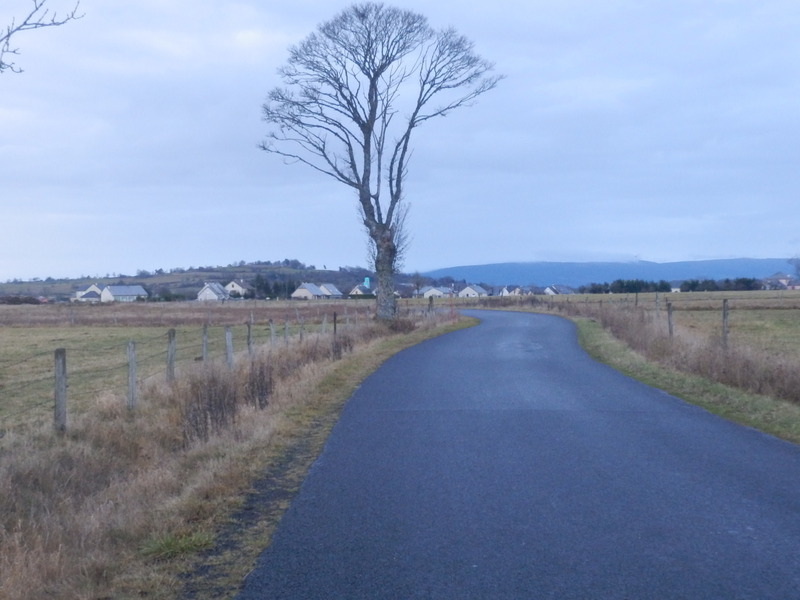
x: 38, y: 17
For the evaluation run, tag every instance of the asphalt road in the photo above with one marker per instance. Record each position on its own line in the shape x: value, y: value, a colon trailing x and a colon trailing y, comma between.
x: 502, y: 462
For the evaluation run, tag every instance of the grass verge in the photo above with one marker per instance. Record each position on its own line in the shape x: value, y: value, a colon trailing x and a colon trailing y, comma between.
x: 776, y: 417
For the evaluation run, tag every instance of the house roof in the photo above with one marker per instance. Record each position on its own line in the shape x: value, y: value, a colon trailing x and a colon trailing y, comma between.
x: 216, y: 289
x: 476, y: 288
x: 126, y: 290
x: 560, y: 289
x: 312, y: 288
x: 331, y: 289
x: 441, y: 291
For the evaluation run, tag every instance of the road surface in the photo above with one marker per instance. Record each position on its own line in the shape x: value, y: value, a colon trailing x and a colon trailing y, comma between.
x: 502, y: 462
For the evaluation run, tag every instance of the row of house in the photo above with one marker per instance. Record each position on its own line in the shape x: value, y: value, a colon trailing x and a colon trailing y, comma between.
x: 111, y: 293
x: 216, y: 292
x: 213, y: 291
x: 311, y: 291
x: 471, y: 291
x: 306, y: 291
x: 477, y: 291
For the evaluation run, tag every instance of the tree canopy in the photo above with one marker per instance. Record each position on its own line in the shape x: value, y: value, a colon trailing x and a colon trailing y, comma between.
x: 353, y: 92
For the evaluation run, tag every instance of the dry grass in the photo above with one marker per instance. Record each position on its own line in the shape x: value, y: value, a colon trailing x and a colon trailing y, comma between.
x: 119, y: 505
x: 759, y: 356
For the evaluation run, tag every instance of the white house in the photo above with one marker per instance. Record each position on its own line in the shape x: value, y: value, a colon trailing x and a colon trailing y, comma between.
x: 473, y: 291
x: 436, y: 292
x: 123, y: 293
x: 90, y: 294
x: 238, y: 288
x: 361, y: 290
x: 511, y: 290
x: 557, y: 290
x: 308, y: 291
x: 778, y: 281
x: 213, y: 292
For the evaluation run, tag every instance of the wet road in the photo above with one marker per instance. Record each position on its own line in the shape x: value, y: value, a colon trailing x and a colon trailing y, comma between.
x: 502, y: 462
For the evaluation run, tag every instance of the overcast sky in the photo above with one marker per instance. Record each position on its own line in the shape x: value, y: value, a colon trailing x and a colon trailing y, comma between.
x: 625, y: 129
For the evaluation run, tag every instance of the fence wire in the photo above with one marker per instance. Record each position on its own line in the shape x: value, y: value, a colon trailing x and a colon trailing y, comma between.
x: 27, y: 382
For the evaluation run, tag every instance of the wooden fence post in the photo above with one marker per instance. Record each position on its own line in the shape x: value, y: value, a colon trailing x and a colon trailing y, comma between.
x: 171, y: 347
x: 271, y: 332
x: 131, y: 375
x: 334, y: 345
x: 229, y: 347
x: 669, y: 318
x: 725, y: 323
x: 205, y: 342
x: 60, y: 412
x: 250, y: 336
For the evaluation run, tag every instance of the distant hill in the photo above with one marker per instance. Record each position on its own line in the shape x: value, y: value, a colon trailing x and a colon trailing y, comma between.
x: 575, y: 274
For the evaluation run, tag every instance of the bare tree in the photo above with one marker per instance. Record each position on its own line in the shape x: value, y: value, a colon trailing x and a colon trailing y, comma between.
x: 354, y: 91
x: 38, y: 17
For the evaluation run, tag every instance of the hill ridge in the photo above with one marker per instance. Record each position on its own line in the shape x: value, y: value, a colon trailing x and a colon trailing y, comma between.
x: 574, y: 274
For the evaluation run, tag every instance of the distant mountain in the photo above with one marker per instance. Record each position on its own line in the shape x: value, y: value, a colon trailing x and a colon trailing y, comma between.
x: 575, y: 274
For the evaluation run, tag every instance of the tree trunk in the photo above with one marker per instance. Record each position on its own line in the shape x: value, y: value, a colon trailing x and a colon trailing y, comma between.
x: 385, y: 260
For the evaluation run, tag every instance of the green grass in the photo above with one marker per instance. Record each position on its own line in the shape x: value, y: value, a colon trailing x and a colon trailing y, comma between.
x: 170, y: 546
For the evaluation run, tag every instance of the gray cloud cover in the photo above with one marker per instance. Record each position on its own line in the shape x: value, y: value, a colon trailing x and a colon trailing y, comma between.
x: 624, y: 129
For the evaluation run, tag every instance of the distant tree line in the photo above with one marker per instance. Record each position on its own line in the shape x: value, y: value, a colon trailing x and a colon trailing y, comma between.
x: 626, y: 286
x: 635, y: 286
x: 273, y: 286
x: 740, y: 284
x: 18, y: 300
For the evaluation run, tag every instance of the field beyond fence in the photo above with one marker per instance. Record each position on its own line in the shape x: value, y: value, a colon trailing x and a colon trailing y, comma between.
x: 96, y: 340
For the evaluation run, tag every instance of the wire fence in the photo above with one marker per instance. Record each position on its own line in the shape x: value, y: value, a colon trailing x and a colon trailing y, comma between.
x: 94, y: 366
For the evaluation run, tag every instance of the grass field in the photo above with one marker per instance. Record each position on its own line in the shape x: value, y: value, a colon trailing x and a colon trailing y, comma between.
x: 96, y: 339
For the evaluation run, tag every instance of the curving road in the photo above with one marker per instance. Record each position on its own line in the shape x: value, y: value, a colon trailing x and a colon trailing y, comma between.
x: 502, y: 462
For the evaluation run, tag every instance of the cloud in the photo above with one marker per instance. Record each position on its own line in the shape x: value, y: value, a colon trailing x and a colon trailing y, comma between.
x: 663, y: 130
